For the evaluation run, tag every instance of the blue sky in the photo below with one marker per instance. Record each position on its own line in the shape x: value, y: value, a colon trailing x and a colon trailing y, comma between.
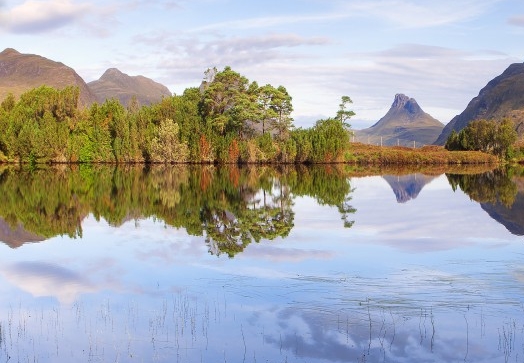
x: 439, y: 52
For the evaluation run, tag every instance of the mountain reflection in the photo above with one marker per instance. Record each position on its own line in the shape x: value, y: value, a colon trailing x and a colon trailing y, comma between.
x: 229, y: 206
x: 407, y: 187
x: 499, y: 192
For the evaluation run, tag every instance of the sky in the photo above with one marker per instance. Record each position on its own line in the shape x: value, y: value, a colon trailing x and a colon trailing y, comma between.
x: 441, y: 53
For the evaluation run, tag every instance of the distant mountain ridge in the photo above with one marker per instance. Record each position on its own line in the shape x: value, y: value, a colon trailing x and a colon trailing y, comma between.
x: 502, y: 97
x: 20, y: 73
x: 114, y: 83
x: 404, y: 124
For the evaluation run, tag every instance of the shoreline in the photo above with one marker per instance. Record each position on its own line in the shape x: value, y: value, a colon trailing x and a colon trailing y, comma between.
x: 358, y: 154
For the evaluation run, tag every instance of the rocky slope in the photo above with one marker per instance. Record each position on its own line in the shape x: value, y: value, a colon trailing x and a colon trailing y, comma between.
x: 404, y: 124
x: 502, y: 97
x: 115, y: 84
x: 20, y: 73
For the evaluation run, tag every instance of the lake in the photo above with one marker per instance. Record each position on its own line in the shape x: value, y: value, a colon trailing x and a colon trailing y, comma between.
x: 261, y: 264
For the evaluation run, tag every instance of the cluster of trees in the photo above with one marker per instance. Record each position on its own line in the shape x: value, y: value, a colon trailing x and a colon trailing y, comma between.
x: 230, y: 206
x: 495, y: 138
x: 228, y: 119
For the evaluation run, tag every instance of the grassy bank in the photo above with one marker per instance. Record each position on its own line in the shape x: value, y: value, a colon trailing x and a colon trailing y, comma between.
x: 364, y: 154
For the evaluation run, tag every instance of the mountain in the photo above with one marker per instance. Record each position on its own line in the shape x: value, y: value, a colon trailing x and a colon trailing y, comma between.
x: 407, y: 187
x: 404, y: 124
x: 16, y: 237
x: 20, y: 73
x: 123, y: 87
x: 502, y: 97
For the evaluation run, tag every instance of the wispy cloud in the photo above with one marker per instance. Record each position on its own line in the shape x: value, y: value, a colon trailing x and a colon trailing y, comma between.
x: 268, y: 22
x: 418, y: 14
x: 40, y: 16
x: 517, y: 20
x: 188, y: 57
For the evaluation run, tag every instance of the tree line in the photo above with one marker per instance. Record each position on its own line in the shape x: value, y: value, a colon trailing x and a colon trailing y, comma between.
x: 497, y: 138
x: 228, y: 119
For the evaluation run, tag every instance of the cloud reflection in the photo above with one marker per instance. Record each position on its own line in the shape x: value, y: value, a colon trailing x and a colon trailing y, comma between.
x: 42, y: 279
x: 363, y: 334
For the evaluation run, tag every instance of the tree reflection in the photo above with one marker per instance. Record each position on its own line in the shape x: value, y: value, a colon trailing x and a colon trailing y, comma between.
x: 328, y: 185
x: 494, y: 186
x: 229, y: 206
x: 499, y: 192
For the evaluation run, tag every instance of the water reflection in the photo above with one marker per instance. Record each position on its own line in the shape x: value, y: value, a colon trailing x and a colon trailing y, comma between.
x: 499, y: 192
x: 136, y: 266
x: 407, y: 187
x: 230, y: 206
x: 15, y: 236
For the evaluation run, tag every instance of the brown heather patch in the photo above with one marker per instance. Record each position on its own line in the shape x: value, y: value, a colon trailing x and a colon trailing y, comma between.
x: 363, y: 154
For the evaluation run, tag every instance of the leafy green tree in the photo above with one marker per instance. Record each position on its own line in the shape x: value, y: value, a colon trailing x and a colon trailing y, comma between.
x: 505, y: 137
x: 343, y: 114
x: 283, y: 107
x: 166, y: 146
x: 303, y: 144
x: 224, y: 100
x: 8, y: 103
x: 266, y: 97
x: 189, y: 121
x: 487, y: 136
x: 330, y: 140
x: 93, y: 141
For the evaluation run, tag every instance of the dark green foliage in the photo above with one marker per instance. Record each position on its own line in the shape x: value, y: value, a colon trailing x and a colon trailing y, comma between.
x: 330, y: 140
x: 492, y: 137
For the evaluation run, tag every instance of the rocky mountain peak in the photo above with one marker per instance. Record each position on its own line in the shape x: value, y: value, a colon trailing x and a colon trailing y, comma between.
x: 403, y: 102
x: 111, y: 73
x: 400, y: 100
x: 404, y: 124
x: 124, y: 87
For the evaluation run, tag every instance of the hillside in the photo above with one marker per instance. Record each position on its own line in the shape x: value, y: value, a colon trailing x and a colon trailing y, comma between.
x: 115, y: 84
x: 20, y: 73
x: 502, y: 97
x: 405, y: 124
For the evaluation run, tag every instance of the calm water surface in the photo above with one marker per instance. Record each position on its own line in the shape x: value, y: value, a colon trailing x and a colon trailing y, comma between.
x: 212, y: 264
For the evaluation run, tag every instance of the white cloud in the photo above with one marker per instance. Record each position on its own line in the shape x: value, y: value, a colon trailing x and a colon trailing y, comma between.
x: 39, y: 16
x: 47, y: 280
